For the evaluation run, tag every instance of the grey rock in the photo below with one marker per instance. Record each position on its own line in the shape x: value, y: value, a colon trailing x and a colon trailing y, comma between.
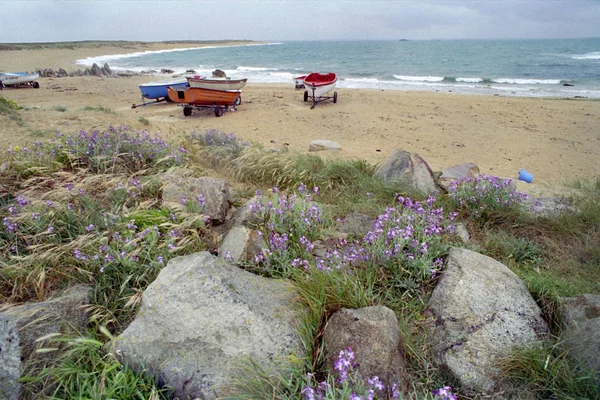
x: 482, y: 311
x: 355, y: 224
x: 462, y: 232
x: 244, y: 216
x: 581, y: 316
x: 548, y: 206
x: 372, y: 334
x: 216, y: 193
x: 456, y: 173
x: 241, y: 244
x: 407, y: 168
x: 166, y: 71
x: 106, y: 70
x: 96, y: 70
x: 323, y: 145
x: 201, y: 317
x: 22, y: 325
x: 219, y: 73
x: 61, y: 73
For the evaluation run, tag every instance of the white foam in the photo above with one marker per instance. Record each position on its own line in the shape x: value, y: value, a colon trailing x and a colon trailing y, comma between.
x: 595, y: 55
x: 516, y: 81
x: 469, y: 80
x: 88, y: 62
x: 242, y: 68
x: 419, y: 78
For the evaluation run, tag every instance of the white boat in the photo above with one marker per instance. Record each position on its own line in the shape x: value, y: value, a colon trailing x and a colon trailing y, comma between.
x: 203, y: 82
x: 317, y: 85
x: 19, y: 79
x: 299, y: 82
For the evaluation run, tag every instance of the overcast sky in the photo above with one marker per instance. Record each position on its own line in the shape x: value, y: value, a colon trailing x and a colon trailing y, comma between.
x: 149, y: 20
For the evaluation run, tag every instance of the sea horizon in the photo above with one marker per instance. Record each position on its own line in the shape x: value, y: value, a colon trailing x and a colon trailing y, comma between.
x: 510, y: 67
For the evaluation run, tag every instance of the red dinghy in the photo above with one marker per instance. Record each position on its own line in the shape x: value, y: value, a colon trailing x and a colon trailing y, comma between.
x: 317, y: 85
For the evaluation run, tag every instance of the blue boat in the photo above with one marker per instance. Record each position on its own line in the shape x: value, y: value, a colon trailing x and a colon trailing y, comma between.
x: 157, y: 90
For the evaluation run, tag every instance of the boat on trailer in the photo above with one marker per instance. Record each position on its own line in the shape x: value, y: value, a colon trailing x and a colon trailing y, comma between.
x: 317, y: 85
x: 158, y: 91
x: 216, y: 83
x: 299, y: 82
x: 198, y: 98
x: 17, y: 79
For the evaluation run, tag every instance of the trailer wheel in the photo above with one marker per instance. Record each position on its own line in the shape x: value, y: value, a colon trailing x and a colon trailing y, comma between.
x: 35, y: 85
x: 334, y: 97
x: 306, y: 95
x: 187, y: 111
x: 218, y: 112
x: 238, y: 101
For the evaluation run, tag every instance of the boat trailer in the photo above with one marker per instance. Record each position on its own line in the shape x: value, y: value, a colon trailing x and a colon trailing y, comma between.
x: 318, y: 99
x: 149, y: 103
x: 218, y: 110
x: 32, y: 84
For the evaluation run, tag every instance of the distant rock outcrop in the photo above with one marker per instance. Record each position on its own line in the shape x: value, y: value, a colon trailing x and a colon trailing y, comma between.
x: 219, y: 73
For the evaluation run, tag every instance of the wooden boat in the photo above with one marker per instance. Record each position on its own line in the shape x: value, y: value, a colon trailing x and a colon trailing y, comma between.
x: 19, y: 79
x: 319, y: 83
x: 157, y: 90
x: 209, y: 97
x: 299, y: 82
x: 216, y: 83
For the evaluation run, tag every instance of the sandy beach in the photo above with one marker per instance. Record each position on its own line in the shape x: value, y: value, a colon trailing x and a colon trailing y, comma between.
x: 557, y: 140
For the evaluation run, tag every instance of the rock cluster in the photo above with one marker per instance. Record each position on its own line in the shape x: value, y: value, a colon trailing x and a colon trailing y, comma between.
x: 94, y: 70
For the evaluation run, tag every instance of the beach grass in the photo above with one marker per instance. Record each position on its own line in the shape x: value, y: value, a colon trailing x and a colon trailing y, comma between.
x: 87, y: 208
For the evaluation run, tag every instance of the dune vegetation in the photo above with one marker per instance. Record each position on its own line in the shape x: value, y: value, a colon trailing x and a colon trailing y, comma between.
x: 86, y: 208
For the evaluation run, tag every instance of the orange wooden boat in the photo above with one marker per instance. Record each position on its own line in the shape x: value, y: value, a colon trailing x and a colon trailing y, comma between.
x: 205, y: 97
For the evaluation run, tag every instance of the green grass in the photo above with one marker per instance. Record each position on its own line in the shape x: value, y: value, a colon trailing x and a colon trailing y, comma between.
x: 546, y: 372
x: 119, y: 195
x: 98, y: 108
x: 59, y: 108
x: 143, y: 121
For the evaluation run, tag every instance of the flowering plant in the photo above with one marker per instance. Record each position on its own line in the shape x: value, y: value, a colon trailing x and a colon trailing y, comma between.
x: 483, y: 194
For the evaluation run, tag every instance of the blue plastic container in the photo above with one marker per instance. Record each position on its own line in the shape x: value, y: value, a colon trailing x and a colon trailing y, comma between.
x: 525, y: 176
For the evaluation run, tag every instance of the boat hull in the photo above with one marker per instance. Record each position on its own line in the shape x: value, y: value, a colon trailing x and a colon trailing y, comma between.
x: 17, y: 78
x: 299, y: 81
x: 318, y: 84
x: 156, y: 90
x: 204, y: 97
x: 216, y: 84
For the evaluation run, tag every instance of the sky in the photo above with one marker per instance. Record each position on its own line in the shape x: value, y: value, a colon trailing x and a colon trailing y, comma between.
x: 284, y: 20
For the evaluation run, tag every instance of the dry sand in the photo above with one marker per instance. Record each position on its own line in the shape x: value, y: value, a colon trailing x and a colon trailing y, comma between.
x: 557, y: 140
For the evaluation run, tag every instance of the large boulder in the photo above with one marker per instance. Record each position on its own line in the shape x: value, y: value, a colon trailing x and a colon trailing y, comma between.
x: 457, y: 173
x: 372, y: 334
x: 548, y: 207
x: 482, y: 311
x: 201, y: 318
x: 21, y: 326
x: 581, y: 316
x: 217, y: 73
x: 215, y: 192
x: 407, y: 168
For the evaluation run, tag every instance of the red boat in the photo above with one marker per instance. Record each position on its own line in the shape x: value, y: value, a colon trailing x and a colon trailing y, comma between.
x: 317, y: 85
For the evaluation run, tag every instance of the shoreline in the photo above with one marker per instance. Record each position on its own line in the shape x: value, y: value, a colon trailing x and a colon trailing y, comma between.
x: 555, y: 139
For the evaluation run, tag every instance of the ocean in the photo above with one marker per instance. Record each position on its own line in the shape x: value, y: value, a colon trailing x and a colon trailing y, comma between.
x: 530, y: 68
